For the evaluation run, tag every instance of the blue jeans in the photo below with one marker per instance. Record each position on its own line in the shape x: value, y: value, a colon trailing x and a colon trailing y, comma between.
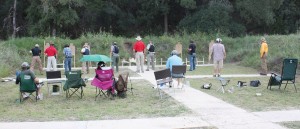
x: 192, y: 61
x: 68, y: 64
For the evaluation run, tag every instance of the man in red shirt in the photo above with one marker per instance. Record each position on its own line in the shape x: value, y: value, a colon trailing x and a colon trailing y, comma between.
x: 139, y: 48
x: 51, y: 53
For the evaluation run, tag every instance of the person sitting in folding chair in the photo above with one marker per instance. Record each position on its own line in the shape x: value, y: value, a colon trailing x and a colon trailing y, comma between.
x: 174, y: 60
x: 100, y: 65
x: 104, y: 80
x: 24, y: 78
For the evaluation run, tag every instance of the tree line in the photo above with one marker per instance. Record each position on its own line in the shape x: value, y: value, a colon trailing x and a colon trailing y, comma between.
x: 72, y: 18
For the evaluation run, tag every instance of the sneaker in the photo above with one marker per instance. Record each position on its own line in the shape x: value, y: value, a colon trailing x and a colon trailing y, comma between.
x: 25, y: 98
x: 147, y: 69
x: 214, y: 75
x: 40, y: 97
x: 219, y: 75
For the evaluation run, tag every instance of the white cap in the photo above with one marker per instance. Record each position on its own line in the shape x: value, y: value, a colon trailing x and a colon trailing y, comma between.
x: 218, y: 40
x: 36, y: 45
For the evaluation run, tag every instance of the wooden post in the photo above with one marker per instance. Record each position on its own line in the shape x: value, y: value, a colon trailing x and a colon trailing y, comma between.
x: 209, y: 51
x: 72, y: 47
x: 178, y: 48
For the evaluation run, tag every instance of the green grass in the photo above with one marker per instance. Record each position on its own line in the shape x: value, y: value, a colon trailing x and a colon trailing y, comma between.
x: 291, y: 125
x: 228, y: 69
x: 144, y: 103
x: 245, y: 97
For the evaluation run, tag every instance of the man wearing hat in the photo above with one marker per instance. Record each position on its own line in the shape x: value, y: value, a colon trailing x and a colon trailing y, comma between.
x: 27, y: 73
x: 139, y: 48
x: 174, y: 60
x: 51, y: 54
x: 219, y: 54
x: 114, y: 51
x: 85, y: 51
x: 263, y: 56
x: 36, y: 53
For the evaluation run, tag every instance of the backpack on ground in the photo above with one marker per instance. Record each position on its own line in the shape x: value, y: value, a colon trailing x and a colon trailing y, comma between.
x: 116, y: 49
x: 255, y: 83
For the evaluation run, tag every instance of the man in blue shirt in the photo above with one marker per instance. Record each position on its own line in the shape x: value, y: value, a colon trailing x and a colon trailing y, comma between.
x: 68, y: 57
x: 174, y: 60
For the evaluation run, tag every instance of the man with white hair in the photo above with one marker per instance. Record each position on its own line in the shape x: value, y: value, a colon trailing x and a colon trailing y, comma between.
x: 36, y: 53
x: 219, y: 52
x: 174, y: 60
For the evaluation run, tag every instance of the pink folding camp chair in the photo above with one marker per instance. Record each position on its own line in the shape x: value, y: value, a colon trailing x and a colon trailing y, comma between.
x: 104, y: 81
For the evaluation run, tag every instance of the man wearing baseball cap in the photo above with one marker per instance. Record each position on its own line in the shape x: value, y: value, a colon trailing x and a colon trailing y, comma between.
x: 28, y: 74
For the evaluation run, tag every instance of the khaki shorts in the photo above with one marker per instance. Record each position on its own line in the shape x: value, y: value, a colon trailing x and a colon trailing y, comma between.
x: 218, y: 64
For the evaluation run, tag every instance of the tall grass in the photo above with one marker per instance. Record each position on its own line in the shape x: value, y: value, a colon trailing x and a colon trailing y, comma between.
x: 242, y: 49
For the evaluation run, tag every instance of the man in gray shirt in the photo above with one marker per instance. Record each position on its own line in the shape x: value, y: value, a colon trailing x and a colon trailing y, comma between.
x: 114, y: 50
x: 150, y: 55
x: 219, y: 54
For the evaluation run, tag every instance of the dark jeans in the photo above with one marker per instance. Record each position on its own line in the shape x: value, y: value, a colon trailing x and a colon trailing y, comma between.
x: 192, y: 61
x: 68, y: 64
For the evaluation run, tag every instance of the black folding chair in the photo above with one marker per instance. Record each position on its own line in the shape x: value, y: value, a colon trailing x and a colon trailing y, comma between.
x: 288, y: 74
x: 53, y: 77
x: 162, y: 77
x: 178, y: 71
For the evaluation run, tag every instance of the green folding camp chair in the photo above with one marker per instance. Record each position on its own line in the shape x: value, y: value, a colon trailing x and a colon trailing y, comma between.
x: 27, y: 88
x: 74, y: 84
x: 288, y: 74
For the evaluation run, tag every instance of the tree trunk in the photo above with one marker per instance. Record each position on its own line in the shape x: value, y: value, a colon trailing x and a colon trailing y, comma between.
x: 14, y: 20
x: 166, y: 23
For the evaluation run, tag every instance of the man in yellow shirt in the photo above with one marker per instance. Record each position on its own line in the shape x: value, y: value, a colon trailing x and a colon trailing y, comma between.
x: 263, y: 56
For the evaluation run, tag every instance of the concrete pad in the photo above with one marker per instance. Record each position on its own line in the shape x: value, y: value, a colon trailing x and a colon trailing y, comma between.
x: 44, y: 125
x: 214, y: 110
x: 279, y: 116
x: 154, y: 123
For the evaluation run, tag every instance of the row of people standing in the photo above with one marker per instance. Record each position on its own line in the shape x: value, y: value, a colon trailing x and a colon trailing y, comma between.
x: 51, y: 53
